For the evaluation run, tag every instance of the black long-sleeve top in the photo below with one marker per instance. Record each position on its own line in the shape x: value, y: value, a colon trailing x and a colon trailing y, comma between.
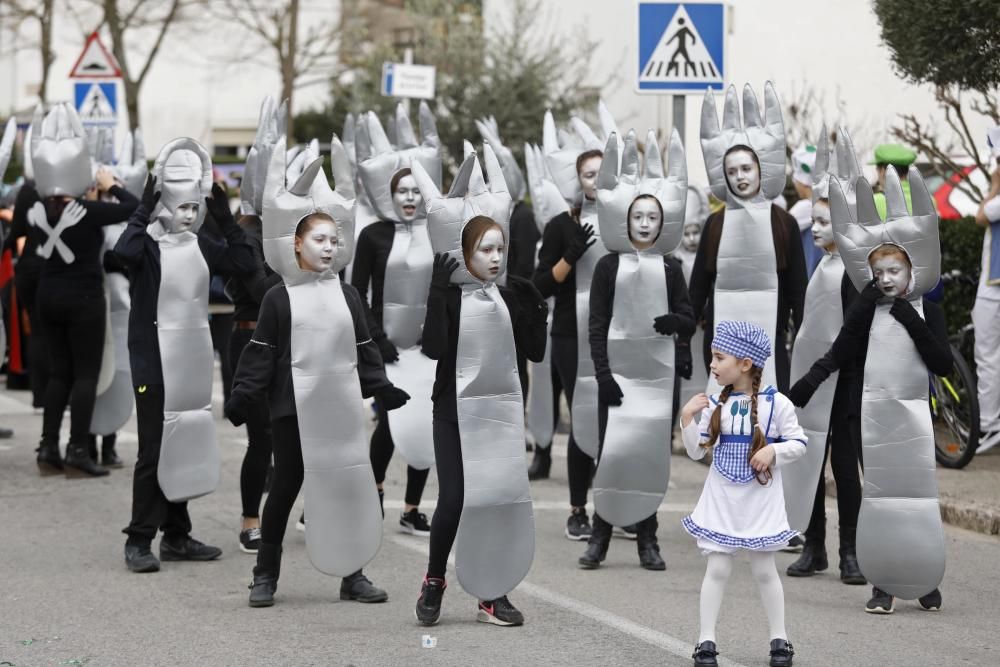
x: 84, y: 277
x: 19, y: 225
x: 602, y: 301
x: 792, y: 280
x: 265, y: 368
x: 524, y: 237
x: 850, y: 350
x: 528, y: 314
x: 558, y: 235
x: 370, y: 256
x: 247, y: 291
x: 141, y: 254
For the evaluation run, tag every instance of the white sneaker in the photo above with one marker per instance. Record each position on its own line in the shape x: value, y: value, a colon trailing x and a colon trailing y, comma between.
x: 987, y: 441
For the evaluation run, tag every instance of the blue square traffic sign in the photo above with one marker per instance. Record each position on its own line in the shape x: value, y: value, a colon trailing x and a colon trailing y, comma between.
x: 681, y: 47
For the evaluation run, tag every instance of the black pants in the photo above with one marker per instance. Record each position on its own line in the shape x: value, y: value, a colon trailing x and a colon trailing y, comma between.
x: 782, y: 364
x: 380, y: 451
x: 451, y: 495
x: 74, y: 329
x: 579, y: 466
x: 151, y: 511
x: 26, y: 283
x: 843, y: 446
x: 601, y: 531
x: 258, y: 455
x: 287, y: 480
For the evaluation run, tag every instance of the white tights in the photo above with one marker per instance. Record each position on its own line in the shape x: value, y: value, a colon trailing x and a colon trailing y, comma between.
x: 720, y: 566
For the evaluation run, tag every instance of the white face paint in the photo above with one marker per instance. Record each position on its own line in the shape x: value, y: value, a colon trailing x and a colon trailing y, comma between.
x: 317, y: 246
x: 822, y: 227
x: 485, y: 262
x: 184, y: 218
x: 406, y: 199
x: 692, y: 237
x: 891, y: 274
x: 588, y: 176
x: 742, y: 174
x: 644, y: 223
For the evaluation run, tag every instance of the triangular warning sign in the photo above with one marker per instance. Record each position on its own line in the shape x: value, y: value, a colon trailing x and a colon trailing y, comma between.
x: 95, y: 62
x: 96, y: 106
x: 681, y: 55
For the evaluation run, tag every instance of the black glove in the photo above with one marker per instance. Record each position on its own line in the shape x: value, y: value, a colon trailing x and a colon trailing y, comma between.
x: 801, y: 392
x: 871, y: 293
x: 387, y: 350
x: 683, y: 361
x: 444, y: 266
x: 666, y: 324
x: 392, y: 397
x: 583, y: 238
x: 218, y: 206
x: 608, y: 392
x: 149, y: 195
x: 904, y: 312
x: 233, y: 411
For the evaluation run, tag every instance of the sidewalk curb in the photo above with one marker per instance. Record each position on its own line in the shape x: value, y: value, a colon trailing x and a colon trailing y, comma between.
x: 970, y: 516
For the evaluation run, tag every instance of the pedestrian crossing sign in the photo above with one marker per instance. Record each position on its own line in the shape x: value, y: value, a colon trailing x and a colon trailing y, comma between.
x: 96, y: 102
x: 681, y: 47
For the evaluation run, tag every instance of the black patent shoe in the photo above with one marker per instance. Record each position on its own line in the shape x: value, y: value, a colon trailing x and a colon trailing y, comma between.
x: 781, y: 653
x: 139, y: 558
x: 704, y: 654
x: 359, y: 588
x: 812, y: 560
x: 595, y: 554
x: 49, y: 460
x: 541, y: 463
x: 650, y: 559
x: 187, y: 548
x: 850, y: 572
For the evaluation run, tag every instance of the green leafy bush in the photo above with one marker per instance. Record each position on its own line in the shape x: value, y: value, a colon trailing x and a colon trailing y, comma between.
x: 962, y: 249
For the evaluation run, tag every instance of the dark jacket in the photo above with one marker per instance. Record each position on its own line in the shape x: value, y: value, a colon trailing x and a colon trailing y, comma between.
x: 141, y: 254
x: 265, y: 368
x: 370, y: 257
x: 528, y: 314
x: 602, y: 300
x: 247, y: 291
x: 559, y: 232
x: 524, y: 236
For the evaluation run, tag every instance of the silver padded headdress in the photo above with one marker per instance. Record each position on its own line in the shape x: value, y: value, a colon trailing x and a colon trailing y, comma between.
x: 59, y: 156
x: 546, y: 200
x: 840, y: 163
x: 469, y: 197
x: 766, y: 138
x: 916, y: 233
x: 378, y: 160
x: 132, y: 168
x: 183, y: 172
x: 561, y: 149
x: 512, y: 173
x: 616, y: 192
x: 270, y: 126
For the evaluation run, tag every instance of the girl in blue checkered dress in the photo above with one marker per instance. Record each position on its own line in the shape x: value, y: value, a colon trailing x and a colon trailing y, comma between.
x: 754, y: 433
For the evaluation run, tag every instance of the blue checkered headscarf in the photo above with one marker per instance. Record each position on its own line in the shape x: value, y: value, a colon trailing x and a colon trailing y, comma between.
x: 743, y: 340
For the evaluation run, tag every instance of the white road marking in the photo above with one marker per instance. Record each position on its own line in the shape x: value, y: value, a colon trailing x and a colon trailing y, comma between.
x: 545, y: 505
x: 678, y: 647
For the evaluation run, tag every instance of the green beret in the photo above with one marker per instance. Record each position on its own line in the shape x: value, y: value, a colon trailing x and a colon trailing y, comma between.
x: 894, y: 154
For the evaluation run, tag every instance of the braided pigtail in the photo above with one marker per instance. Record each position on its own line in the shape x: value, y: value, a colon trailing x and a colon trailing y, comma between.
x: 715, y: 423
x: 759, y: 440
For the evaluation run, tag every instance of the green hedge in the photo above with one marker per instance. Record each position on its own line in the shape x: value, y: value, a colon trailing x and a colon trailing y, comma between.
x: 962, y: 249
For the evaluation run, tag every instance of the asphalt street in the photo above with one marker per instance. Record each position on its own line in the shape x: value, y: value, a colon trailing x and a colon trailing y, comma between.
x: 67, y: 599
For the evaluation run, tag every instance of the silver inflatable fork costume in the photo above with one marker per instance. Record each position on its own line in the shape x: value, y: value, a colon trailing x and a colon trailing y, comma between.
x: 189, y: 454
x: 495, y: 544
x: 634, y: 468
x: 60, y: 159
x: 822, y: 319
x: 407, y: 272
x: 344, y: 523
x: 746, y: 282
x: 900, y: 538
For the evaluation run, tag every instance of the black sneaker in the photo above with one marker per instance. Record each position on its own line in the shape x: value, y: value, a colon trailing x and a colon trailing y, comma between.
x: 187, y: 548
x: 414, y: 522
x: 250, y: 540
x: 794, y: 545
x: 931, y: 601
x: 428, y: 609
x: 881, y: 602
x: 781, y: 653
x: 139, y: 558
x: 578, y: 526
x: 704, y: 654
x: 628, y: 532
x: 499, y: 612
x: 300, y: 525
x: 358, y: 587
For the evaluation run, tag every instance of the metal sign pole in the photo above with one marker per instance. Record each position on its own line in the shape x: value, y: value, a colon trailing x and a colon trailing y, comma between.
x: 679, y: 117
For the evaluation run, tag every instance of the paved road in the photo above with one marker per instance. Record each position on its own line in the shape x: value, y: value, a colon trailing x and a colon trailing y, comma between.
x: 66, y: 597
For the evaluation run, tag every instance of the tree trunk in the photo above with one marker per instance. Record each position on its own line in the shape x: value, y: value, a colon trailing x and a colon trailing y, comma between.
x: 48, y: 56
x: 287, y: 61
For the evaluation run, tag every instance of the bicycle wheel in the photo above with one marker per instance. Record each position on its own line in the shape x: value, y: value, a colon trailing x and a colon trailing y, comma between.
x: 955, y: 407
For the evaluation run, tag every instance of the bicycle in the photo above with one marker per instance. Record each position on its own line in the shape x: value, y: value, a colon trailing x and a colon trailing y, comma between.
x: 954, y: 399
